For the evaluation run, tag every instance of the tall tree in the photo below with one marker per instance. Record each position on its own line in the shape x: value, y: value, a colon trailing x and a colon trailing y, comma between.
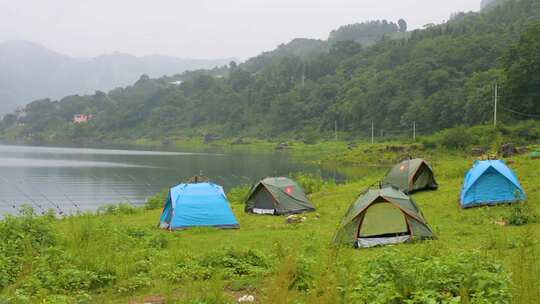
x: 402, y: 25
x: 522, y: 65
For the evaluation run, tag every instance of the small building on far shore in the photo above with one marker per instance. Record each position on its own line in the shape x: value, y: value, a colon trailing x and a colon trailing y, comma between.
x: 80, y: 118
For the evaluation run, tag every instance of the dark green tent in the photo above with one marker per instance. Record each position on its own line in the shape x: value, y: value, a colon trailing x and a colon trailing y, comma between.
x: 277, y: 195
x: 380, y: 217
x: 411, y: 175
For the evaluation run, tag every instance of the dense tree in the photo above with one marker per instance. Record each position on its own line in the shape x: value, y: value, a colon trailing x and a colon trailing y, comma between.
x: 364, y: 33
x: 522, y: 66
x: 402, y: 25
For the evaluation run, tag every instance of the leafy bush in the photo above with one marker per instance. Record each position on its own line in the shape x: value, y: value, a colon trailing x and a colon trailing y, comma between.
x: 57, y: 273
x: 310, y: 182
x: 122, y: 208
x: 18, y: 236
x: 302, y: 276
x: 236, y: 262
x: 456, y: 138
x: 134, y: 283
x: 158, y: 241
x: 238, y: 194
x: 156, y: 202
x: 452, y: 278
x: 521, y: 213
x: 187, y: 270
x: 428, y: 143
x: 224, y: 263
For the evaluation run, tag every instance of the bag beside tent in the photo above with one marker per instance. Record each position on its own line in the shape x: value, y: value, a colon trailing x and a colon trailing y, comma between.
x: 490, y: 182
x: 197, y: 205
x: 411, y: 175
x: 382, y: 216
x: 277, y: 196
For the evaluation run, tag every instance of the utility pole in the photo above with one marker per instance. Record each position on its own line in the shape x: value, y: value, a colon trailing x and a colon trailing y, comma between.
x: 495, y: 106
x: 372, y: 132
x: 414, y: 130
x: 335, y: 130
x: 303, y: 80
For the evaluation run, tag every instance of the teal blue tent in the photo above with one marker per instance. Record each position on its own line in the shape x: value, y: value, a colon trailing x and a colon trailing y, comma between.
x: 197, y: 205
x: 490, y: 182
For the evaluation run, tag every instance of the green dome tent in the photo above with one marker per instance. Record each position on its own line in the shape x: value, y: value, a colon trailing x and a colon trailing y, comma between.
x: 277, y: 196
x: 411, y: 175
x: 380, y: 217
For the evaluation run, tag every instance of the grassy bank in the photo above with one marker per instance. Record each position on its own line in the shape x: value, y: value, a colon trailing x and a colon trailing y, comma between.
x: 120, y: 256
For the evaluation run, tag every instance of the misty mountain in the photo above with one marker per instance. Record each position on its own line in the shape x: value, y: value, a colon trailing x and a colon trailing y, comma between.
x: 30, y: 71
x: 491, y: 3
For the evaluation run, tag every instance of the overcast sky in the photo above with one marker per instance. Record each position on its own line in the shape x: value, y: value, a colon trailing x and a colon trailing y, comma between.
x: 200, y: 28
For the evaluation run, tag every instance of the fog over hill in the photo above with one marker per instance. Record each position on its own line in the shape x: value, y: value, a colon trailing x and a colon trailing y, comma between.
x: 29, y: 71
x: 490, y: 3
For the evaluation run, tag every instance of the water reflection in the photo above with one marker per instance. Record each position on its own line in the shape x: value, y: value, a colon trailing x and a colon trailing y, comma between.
x: 67, y: 179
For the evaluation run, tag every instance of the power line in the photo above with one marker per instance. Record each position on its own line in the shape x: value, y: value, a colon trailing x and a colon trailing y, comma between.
x: 520, y: 113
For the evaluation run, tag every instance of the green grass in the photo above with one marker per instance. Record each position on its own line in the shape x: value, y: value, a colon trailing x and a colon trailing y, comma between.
x: 122, y: 257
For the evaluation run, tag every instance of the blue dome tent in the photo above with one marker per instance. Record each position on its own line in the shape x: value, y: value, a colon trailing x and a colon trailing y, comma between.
x: 197, y: 205
x: 490, y: 182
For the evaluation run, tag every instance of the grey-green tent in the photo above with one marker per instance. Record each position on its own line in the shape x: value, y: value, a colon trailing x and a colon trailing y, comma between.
x: 411, y: 175
x: 277, y: 196
x: 382, y: 216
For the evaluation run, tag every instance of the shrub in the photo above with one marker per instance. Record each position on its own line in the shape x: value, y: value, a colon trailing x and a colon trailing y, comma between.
x: 18, y: 236
x: 302, y: 276
x: 428, y: 143
x: 158, y: 241
x: 236, y: 262
x: 56, y: 273
x: 456, y: 138
x: 451, y: 278
x: 122, y: 208
x: 188, y: 269
x: 156, y: 202
x: 521, y: 213
x: 238, y: 194
x: 224, y: 263
x: 134, y: 283
x: 310, y: 182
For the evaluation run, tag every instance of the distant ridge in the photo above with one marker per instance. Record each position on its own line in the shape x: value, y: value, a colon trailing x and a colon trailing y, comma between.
x: 29, y: 71
x: 491, y: 3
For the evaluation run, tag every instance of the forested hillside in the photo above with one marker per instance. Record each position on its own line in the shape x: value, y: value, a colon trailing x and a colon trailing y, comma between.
x: 437, y: 77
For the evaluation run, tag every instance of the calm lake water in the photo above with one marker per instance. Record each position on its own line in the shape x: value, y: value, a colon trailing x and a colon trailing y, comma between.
x: 80, y: 179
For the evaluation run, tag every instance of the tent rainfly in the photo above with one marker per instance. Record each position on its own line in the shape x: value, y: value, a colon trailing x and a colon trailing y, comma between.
x: 411, y: 175
x: 197, y: 205
x: 382, y: 216
x: 277, y: 196
x: 490, y: 182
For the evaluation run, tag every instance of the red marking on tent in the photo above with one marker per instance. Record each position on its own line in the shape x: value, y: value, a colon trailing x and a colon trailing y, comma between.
x: 288, y: 190
x: 402, y: 168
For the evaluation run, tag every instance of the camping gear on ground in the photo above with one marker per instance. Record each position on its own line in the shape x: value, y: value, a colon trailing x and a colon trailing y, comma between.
x: 197, y: 205
x: 411, y: 175
x: 490, y: 182
x: 382, y: 216
x: 277, y: 196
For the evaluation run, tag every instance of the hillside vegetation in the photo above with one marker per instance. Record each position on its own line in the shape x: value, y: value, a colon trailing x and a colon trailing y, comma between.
x: 437, y: 78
